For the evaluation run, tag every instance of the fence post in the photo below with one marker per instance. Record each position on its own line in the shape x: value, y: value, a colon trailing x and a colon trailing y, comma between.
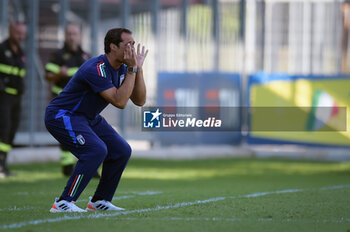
x: 94, y: 19
x: 62, y: 21
x: 125, y: 13
x: 184, y: 30
x: 30, y: 66
x: 216, y: 34
x: 125, y: 23
x: 3, y: 17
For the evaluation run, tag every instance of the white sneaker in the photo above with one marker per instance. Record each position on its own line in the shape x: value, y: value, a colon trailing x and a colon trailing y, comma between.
x: 102, y: 205
x: 65, y: 206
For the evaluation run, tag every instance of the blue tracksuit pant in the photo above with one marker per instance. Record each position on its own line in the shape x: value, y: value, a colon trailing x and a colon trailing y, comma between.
x: 93, y: 142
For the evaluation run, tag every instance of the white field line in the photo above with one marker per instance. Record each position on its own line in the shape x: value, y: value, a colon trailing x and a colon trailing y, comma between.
x: 147, y: 193
x: 15, y: 208
x: 134, y: 194
x: 145, y: 210
x: 335, y: 187
x: 341, y: 220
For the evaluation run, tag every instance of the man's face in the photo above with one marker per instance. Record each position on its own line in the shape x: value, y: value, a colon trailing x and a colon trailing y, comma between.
x: 73, y: 36
x: 127, y: 39
x: 17, y: 33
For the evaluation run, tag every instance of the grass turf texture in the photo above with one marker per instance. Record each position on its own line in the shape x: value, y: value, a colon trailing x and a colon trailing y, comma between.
x: 28, y: 197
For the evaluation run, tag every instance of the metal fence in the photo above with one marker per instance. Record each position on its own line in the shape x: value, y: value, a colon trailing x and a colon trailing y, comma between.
x: 302, y: 37
x: 244, y: 36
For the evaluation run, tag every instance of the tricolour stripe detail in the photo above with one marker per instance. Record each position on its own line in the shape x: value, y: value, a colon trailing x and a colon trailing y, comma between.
x: 77, y: 186
x: 98, y: 68
x: 101, y: 69
x: 71, y: 187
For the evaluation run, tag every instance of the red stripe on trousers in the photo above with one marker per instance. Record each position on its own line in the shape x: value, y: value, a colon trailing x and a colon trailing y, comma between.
x: 70, y: 190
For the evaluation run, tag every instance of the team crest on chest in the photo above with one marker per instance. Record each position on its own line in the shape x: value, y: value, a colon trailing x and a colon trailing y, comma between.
x: 81, y: 139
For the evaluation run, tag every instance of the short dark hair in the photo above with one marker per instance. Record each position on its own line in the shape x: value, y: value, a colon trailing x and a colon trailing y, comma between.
x: 114, y: 36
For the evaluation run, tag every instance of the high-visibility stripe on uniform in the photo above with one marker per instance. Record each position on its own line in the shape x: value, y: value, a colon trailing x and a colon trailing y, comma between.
x: 12, y: 70
x: 22, y: 72
x: 71, y: 71
x: 54, y: 68
x: 4, y: 147
x: 56, y: 90
x: 11, y: 91
x: 51, y: 67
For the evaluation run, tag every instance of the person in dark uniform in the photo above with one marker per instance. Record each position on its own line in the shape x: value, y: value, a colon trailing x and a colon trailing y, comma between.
x: 12, y: 72
x: 74, y: 119
x: 62, y: 66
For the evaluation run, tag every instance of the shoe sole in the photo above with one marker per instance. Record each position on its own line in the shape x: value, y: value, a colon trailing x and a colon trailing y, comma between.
x: 87, y: 209
x: 91, y: 208
x: 52, y: 210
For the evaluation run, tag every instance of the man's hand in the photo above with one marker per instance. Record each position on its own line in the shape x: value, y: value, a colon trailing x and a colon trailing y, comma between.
x: 138, y: 95
x: 130, y: 56
x: 141, y: 56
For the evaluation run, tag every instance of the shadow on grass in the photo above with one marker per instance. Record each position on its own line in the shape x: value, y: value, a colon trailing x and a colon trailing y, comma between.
x: 189, y: 170
x: 213, y: 168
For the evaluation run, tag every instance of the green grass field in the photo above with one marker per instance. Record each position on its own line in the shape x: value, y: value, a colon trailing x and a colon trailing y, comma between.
x: 201, y: 195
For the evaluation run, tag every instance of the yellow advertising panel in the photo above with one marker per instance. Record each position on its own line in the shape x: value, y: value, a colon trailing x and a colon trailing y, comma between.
x: 301, y: 110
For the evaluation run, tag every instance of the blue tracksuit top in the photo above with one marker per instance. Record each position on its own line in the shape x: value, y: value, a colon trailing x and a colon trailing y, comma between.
x: 81, y: 95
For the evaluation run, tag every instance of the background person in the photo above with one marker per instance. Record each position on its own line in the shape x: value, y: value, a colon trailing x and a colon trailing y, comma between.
x: 12, y: 72
x: 63, y: 64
